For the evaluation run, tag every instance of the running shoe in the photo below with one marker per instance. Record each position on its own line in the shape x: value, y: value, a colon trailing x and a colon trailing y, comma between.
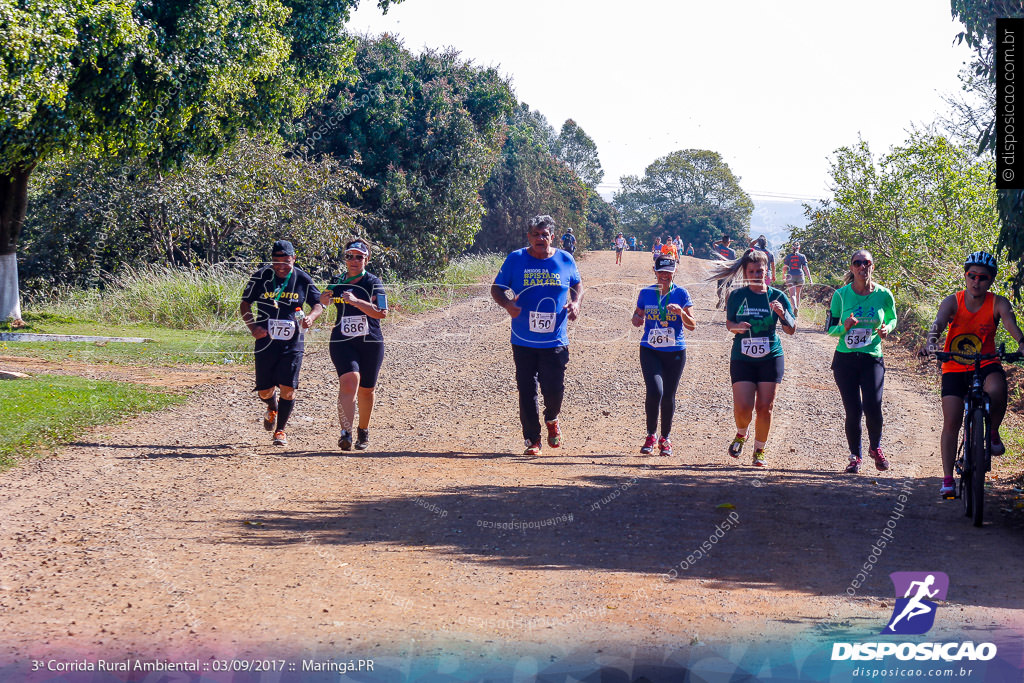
x: 759, y: 458
x: 664, y: 446
x: 554, y: 434
x: 269, y: 420
x: 362, y: 439
x: 736, y: 447
x: 648, y: 446
x: 345, y: 440
x: 947, y: 490
x: 279, y: 438
x: 997, y: 446
x: 532, y: 447
x: 854, y: 466
x: 881, y: 464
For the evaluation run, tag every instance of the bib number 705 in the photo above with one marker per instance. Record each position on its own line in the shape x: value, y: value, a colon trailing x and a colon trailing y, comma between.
x: 755, y: 347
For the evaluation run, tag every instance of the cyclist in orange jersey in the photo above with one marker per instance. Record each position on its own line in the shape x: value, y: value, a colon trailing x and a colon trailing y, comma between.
x: 971, y: 316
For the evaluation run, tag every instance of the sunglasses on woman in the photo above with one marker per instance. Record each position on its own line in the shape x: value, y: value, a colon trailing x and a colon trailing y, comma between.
x: 354, y: 257
x: 857, y: 263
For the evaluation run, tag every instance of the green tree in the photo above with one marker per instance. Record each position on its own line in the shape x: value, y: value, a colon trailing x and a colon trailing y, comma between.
x: 89, y: 78
x: 602, y: 221
x: 579, y: 152
x: 692, y: 193
x: 528, y: 180
x: 920, y: 209
x: 979, y: 20
x: 91, y: 218
x: 428, y: 130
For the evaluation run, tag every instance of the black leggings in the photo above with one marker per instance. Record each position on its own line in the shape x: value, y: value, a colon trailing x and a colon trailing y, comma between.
x: 860, y: 377
x: 662, y: 370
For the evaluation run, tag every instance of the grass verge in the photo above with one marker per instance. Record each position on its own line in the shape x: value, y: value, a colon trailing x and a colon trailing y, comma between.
x: 50, y: 410
x: 169, y: 347
x: 192, y: 316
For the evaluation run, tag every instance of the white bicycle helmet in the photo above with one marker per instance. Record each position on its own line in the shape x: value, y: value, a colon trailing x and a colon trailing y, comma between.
x: 981, y: 258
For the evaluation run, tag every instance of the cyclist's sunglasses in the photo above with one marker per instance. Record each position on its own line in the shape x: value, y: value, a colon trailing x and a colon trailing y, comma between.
x: 980, y: 277
x: 857, y: 263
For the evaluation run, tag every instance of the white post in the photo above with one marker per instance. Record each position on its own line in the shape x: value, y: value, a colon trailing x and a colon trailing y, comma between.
x: 10, y: 300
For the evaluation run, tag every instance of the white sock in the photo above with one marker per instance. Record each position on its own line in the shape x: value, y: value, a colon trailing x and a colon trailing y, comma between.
x: 759, y: 445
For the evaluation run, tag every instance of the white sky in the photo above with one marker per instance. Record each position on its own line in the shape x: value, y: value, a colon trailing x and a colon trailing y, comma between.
x: 774, y: 86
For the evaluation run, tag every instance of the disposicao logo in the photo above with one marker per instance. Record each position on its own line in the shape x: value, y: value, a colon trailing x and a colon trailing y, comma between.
x: 914, y: 614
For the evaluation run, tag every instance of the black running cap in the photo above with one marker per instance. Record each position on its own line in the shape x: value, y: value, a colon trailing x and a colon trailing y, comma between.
x: 665, y: 263
x: 282, y: 248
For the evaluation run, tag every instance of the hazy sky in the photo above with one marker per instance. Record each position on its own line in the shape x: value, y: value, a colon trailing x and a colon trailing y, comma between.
x: 774, y: 87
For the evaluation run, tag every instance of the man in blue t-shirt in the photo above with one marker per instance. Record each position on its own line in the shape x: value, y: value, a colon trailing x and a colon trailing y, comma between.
x: 545, y: 287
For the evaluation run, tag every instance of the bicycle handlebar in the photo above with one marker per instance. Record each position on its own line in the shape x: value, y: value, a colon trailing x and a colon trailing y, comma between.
x: 971, y: 358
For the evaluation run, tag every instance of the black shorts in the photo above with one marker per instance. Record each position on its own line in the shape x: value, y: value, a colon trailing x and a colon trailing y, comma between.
x: 273, y: 369
x: 959, y: 383
x: 364, y: 357
x: 763, y: 370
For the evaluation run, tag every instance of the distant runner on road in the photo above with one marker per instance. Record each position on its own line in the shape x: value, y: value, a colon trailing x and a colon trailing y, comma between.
x: 279, y: 291
x: 663, y: 309
x: 545, y: 287
x: 756, y: 363
x: 620, y: 244
x: 797, y: 273
x: 862, y: 314
x: 569, y: 241
x: 357, y: 343
x: 722, y: 248
x: 761, y: 244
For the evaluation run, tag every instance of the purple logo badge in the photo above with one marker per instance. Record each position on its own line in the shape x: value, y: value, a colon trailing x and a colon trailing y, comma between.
x: 914, y: 612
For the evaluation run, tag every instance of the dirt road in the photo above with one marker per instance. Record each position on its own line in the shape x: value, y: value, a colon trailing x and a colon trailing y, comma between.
x: 186, y: 532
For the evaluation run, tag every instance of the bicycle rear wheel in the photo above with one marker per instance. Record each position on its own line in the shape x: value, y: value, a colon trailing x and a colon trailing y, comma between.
x: 977, y: 465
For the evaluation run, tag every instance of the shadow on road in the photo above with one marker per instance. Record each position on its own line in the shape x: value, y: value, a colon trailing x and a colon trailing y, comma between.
x: 733, y: 525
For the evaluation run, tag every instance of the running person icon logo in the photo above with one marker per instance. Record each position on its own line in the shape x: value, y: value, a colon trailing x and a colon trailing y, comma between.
x: 914, y: 613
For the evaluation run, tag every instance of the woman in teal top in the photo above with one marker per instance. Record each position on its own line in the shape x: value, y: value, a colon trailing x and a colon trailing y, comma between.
x: 756, y: 365
x: 863, y: 313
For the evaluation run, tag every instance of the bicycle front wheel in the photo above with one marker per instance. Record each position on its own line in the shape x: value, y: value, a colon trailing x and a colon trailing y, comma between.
x: 977, y: 465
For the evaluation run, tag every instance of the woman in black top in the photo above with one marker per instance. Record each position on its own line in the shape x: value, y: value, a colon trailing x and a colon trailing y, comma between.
x: 357, y: 345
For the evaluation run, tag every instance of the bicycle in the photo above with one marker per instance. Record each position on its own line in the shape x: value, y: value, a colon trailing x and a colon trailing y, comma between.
x: 974, y: 455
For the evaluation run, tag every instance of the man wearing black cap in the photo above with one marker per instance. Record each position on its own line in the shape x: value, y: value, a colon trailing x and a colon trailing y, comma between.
x: 279, y: 290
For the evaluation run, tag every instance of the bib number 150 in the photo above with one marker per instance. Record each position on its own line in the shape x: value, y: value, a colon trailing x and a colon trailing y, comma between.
x: 542, y: 323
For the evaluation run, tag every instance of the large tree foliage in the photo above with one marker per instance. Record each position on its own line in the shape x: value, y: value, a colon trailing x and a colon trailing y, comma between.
x: 579, y: 152
x: 692, y: 193
x: 428, y: 130
x: 919, y: 209
x: 979, y: 20
x: 161, y: 78
x: 91, y: 218
x: 528, y: 181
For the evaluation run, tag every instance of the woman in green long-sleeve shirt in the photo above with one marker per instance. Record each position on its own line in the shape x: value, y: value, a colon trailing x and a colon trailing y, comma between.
x: 863, y: 313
